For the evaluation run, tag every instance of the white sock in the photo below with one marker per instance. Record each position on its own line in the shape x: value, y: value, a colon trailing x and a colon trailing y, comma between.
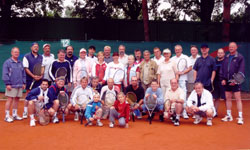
x: 240, y: 114
x: 55, y: 114
x: 25, y: 109
x: 14, y: 112
x: 76, y: 113
x: 229, y: 113
x: 98, y: 120
x: 178, y: 117
x: 7, y: 113
x: 32, y: 116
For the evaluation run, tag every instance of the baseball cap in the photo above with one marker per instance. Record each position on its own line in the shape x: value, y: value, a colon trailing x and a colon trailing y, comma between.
x: 44, y: 45
x: 83, y: 50
x: 166, y: 51
x: 115, y: 54
x: 204, y: 46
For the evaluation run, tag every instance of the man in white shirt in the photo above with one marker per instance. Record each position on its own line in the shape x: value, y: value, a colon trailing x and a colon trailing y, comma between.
x: 158, y: 58
x: 200, y: 103
x: 194, y: 55
x: 48, y: 58
x: 182, y: 73
x: 123, y: 58
x: 91, y: 53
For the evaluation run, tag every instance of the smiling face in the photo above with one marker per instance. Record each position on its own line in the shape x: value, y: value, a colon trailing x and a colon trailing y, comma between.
x: 194, y: 51
x: 69, y: 51
x: 157, y: 52
x: 35, y: 48
x: 174, y: 84
x: 232, y: 48
x: 84, y: 82
x: 220, y: 53
x: 60, y: 83
x: 46, y: 50
x: 178, y: 50
x: 15, y: 52
x: 198, y: 88
x: 44, y: 85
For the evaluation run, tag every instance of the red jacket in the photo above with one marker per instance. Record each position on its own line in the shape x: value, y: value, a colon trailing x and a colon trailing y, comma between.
x: 123, y: 109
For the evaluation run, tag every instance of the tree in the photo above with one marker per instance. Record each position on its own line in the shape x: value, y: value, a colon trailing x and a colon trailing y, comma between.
x: 145, y: 19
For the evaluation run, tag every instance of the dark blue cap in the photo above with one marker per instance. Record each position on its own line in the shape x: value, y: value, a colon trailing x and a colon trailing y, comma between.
x: 204, y: 46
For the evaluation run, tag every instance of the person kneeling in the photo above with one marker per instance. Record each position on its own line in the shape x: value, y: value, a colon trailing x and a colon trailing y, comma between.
x: 200, y: 103
x: 174, y: 100
x: 119, y: 111
x: 94, y: 111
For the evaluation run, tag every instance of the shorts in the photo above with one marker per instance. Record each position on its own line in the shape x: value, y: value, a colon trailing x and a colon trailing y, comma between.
x: 14, y: 92
x: 235, y: 88
x: 219, y: 92
x: 190, y: 87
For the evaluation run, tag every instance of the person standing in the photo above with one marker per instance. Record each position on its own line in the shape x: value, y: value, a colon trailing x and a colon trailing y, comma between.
x: 107, y: 56
x: 158, y: 58
x: 123, y: 57
x: 233, y: 63
x: 14, y: 78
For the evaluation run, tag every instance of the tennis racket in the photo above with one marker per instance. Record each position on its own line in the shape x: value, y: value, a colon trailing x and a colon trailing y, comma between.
x: 109, y: 100
x: 61, y: 72
x: 150, y: 104
x: 182, y: 65
x: 41, y: 112
x: 131, y: 99
x: 63, y: 101
x: 37, y: 70
x: 82, y: 101
x: 238, y: 78
x: 118, y: 76
x: 80, y: 74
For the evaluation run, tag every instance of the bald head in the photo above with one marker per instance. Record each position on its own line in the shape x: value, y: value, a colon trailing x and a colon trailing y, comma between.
x: 233, y: 48
x: 15, y: 53
x: 220, y: 53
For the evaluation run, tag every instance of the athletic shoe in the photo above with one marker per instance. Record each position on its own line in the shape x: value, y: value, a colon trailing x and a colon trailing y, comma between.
x: 240, y: 121
x: 17, y: 117
x: 111, y: 125
x: 76, y: 118
x: 99, y: 123
x: 55, y: 120
x: 184, y: 115
x: 227, y: 118
x: 177, y: 122
x: 197, y: 119
x: 90, y: 123
x: 209, y: 122
x: 25, y: 115
x: 8, y: 119
x: 32, y: 122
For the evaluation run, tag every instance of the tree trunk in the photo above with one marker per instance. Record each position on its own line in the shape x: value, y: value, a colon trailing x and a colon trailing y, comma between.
x: 6, y: 9
x: 207, y: 7
x: 145, y: 19
x: 226, y: 20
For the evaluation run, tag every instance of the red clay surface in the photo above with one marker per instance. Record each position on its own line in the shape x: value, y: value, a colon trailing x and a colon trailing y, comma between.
x: 140, y: 135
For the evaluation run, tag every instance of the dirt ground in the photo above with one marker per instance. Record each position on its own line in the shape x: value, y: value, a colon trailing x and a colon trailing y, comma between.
x: 139, y: 135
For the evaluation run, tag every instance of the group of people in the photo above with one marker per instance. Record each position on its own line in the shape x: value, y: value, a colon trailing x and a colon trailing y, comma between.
x: 181, y: 85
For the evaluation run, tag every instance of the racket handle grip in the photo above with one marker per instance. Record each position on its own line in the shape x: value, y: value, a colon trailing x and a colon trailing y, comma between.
x: 63, y: 117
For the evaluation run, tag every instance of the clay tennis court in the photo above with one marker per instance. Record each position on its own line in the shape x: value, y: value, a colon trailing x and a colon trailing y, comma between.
x: 140, y: 135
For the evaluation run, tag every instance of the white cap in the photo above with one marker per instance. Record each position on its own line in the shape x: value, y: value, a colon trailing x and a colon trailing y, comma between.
x: 166, y: 51
x: 83, y: 50
x: 44, y: 45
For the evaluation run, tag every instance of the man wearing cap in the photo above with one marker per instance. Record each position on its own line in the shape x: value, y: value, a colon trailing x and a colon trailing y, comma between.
x: 158, y: 58
x: 123, y: 58
x: 29, y: 61
x: 83, y: 63
x: 205, y: 68
x: 180, y: 57
x: 53, y: 92
x: 14, y: 78
x: 194, y: 55
x: 112, y: 68
x: 148, y: 69
x: 91, y: 53
x: 70, y: 56
x: 166, y: 71
x: 61, y: 62
x: 107, y: 57
x: 48, y: 58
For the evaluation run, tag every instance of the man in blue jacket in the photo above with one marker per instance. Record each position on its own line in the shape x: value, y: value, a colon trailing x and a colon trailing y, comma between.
x: 14, y: 77
x: 38, y: 95
x: 233, y: 63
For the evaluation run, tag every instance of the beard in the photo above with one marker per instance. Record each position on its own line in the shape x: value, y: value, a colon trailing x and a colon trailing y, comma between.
x: 70, y: 53
x: 121, y: 53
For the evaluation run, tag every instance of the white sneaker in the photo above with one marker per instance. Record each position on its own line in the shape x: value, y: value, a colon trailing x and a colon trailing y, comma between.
x: 227, y: 118
x: 184, y: 115
x: 25, y: 115
x: 8, y: 119
x: 99, y: 123
x: 76, y: 118
x: 32, y: 122
x: 209, y: 122
x: 197, y: 119
x: 55, y: 120
x: 111, y: 125
x: 17, y: 117
x: 240, y: 121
